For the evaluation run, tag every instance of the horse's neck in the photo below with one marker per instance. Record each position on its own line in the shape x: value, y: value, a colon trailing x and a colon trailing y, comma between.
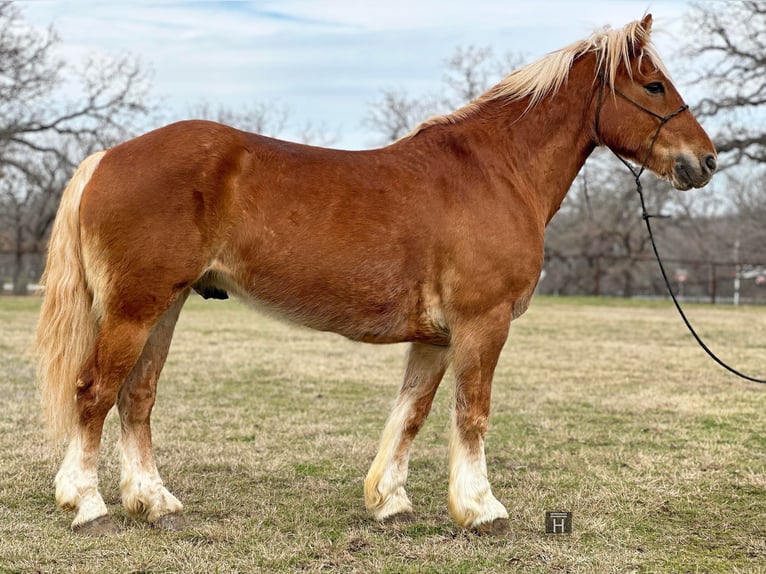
x: 537, y: 151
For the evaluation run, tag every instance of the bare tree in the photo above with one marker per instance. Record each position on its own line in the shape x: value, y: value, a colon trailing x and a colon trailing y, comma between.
x: 320, y: 135
x: 51, y: 116
x: 727, y: 53
x: 269, y: 120
x: 748, y: 231
x: 469, y: 72
x: 28, y: 200
x: 266, y: 119
x: 396, y: 113
x: 597, y: 242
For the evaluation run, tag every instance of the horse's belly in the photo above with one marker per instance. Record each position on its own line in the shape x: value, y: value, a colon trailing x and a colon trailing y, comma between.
x: 361, y: 311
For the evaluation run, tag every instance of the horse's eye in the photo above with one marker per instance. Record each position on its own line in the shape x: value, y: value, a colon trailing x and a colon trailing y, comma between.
x: 655, y: 88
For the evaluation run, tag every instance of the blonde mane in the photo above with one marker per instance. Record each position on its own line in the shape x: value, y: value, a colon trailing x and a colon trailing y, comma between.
x: 545, y: 76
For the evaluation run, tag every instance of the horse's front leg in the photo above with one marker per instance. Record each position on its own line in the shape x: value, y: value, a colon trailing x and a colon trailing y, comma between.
x: 477, y: 344
x: 384, y: 492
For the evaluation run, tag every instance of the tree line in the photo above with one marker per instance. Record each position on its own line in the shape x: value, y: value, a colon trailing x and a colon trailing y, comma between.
x: 52, y: 115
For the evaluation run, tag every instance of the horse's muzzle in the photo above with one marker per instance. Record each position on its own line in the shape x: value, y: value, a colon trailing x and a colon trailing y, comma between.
x: 693, y: 172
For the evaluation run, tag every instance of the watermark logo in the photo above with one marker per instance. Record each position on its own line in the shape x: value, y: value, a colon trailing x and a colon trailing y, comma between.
x: 558, y: 522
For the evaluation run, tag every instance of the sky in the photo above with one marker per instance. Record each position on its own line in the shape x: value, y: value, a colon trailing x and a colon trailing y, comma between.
x: 325, y: 62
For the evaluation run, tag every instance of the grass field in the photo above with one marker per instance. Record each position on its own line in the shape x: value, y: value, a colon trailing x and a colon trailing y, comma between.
x: 265, y: 431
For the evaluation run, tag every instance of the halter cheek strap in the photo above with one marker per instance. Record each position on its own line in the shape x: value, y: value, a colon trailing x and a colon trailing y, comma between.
x: 663, y: 120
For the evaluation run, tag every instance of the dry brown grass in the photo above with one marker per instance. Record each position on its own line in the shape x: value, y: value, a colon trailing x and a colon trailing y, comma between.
x: 265, y: 432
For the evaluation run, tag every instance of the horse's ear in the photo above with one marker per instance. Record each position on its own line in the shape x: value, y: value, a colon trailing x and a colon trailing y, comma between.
x: 641, y: 35
x: 646, y: 24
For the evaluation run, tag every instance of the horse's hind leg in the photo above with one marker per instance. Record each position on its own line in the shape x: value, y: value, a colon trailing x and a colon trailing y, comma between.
x: 117, y: 347
x: 143, y: 492
x: 384, y: 490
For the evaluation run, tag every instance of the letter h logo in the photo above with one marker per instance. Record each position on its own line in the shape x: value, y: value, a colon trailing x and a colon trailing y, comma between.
x: 558, y: 522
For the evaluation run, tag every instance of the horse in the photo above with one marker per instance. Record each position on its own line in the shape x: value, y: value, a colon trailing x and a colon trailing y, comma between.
x: 435, y: 240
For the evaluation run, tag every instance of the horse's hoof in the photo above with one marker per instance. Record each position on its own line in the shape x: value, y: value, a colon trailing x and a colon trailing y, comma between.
x: 174, y: 521
x: 399, y: 518
x: 497, y: 527
x: 101, y: 526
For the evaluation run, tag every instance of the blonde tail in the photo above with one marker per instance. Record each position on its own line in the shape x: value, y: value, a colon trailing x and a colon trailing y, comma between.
x: 67, y: 328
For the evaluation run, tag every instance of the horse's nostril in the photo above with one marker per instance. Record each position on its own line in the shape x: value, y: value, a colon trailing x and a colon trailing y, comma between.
x: 711, y: 162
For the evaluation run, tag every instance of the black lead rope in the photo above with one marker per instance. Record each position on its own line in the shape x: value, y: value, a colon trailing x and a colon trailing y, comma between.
x: 646, y: 217
x: 702, y: 344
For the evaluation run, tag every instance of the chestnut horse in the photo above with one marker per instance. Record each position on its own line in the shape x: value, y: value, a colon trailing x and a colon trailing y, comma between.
x: 436, y: 240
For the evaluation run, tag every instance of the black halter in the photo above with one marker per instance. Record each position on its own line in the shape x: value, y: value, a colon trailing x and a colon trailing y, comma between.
x: 663, y: 120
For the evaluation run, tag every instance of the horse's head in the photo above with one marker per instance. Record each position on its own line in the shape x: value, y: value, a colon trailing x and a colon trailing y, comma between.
x: 641, y: 117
